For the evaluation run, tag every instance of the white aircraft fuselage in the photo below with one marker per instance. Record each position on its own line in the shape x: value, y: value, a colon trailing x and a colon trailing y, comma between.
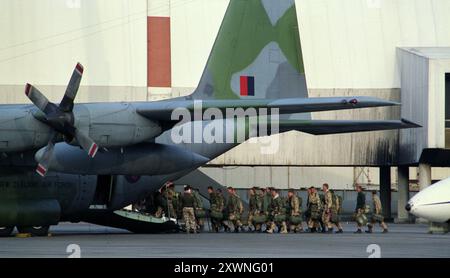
x: 432, y: 203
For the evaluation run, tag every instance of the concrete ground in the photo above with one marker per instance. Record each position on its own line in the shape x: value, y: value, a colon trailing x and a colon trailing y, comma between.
x: 95, y: 241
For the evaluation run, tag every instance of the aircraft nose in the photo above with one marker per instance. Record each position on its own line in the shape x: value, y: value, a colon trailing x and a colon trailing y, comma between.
x: 408, y: 207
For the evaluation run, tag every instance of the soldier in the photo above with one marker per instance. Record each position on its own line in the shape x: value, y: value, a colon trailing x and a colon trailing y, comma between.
x: 255, y: 207
x: 308, y: 210
x: 267, y: 205
x: 314, y: 206
x: 160, y: 202
x: 261, y: 214
x: 216, y: 208
x: 188, y: 204
x: 335, y: 211
x: 267, y: 200
x: 222, y: 202
x: 360, y: 209
x: 235, y: 208
x: 328, y: 207
x: 377, y: 214
x: 199, y: 210
x: 169, y: 195
x: 322, y: 206
x: 295, y: 212
x: 278, y: 213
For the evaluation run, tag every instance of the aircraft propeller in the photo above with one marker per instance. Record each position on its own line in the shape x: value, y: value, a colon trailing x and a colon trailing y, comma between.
x: 60, y: 118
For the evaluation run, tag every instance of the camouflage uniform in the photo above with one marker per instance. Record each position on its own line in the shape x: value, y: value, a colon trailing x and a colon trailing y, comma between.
x: 235, y: 208
x: 170, y: 194
x: 267, y: 206
x: 335, y: 211
x: 198, y: 205
x: 217, y: 205
x: 314, y: 206
x: 377, y: 214
x: 188, y: 203
x: 278, y: 209
x: 294, y: 204
x: 327, y: 210
x: 322, y: 206
x: 255, y: 208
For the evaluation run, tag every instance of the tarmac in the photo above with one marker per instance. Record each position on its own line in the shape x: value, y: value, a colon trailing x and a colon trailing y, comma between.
x: 403, y: 240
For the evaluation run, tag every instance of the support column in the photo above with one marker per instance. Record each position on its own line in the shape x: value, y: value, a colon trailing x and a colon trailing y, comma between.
x: 385, y: 191
x: 424, y: 182
x: 403, y: 194
x: 424, y: 176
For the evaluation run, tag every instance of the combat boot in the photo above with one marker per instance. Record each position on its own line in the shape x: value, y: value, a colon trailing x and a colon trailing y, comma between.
x: 271, y: 229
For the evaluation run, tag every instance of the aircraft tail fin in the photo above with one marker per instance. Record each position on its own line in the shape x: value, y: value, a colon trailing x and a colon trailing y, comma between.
x: 256, y: 55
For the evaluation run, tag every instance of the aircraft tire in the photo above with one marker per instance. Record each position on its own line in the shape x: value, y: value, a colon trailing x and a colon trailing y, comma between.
x: 35, y: 231
x: 6, y: 231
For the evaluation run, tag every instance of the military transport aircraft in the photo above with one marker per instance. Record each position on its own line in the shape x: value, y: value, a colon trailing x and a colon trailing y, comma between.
x: 82, y: 162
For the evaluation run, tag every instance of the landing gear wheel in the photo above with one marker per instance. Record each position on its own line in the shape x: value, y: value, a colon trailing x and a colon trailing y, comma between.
x: 6, y: 231
x: 35, y: 230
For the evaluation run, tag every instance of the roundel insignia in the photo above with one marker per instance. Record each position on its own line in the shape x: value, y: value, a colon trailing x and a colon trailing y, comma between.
x: 132, y: 179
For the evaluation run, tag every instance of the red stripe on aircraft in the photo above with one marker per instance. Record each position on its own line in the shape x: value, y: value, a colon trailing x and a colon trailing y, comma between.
x: 79, y: 68
x: 27, y: 89
x: 93, y: 150
x: 244, y: 86
x: 41, y: 170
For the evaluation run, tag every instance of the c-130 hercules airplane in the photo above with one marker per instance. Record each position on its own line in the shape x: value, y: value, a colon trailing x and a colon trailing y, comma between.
x: 94, y: 159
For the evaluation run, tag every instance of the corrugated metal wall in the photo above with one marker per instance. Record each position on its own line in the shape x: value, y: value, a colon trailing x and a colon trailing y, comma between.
x: 43, y: 40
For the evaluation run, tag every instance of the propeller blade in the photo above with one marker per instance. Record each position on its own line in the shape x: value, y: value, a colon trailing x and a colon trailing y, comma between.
x: 44, y: 160
x: 66, y: 104
x: 39, y: 99
x: 86, y: 143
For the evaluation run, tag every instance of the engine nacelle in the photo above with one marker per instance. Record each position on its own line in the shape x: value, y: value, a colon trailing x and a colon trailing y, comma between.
x: 110, y: 125
x: 20, y: 131
x: 142, y: 159
x: 115, y: 124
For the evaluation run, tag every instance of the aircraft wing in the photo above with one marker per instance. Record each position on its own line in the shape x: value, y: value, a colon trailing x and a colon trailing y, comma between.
x: 323, y: 127
x: 162, y: 110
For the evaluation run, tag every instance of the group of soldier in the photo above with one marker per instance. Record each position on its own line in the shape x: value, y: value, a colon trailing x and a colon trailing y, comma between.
x: 268, y: 211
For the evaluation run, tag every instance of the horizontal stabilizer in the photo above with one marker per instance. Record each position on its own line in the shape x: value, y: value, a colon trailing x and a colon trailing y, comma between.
x: 162, y: 110
x: 323, y: 127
